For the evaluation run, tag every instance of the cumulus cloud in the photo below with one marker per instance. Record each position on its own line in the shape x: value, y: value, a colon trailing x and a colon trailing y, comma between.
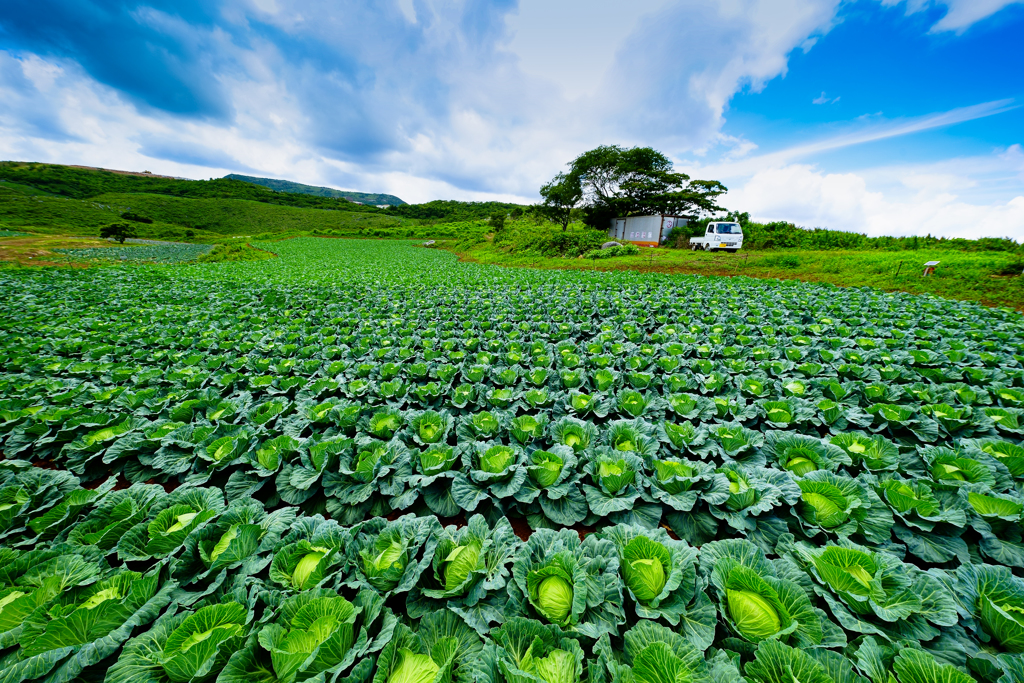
x: 960, y: 14
x: 937, y: 199
x: 453, y: 94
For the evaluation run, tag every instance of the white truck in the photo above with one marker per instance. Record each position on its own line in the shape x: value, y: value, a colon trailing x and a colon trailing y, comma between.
x: 728, y: 236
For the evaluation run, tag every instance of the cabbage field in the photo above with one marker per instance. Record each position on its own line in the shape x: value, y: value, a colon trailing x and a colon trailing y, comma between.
x: 366, y: 462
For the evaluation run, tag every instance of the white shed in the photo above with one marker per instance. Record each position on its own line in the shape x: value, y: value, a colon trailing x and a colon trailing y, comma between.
x: 644, y: 231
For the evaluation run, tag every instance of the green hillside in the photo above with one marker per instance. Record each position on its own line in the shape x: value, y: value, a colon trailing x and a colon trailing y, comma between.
x: 174, y: 217
x: 81, y: 183
x: 368, y: 198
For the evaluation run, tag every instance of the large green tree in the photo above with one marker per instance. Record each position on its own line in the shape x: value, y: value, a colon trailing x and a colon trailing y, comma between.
x: 616, y: 181
x: 563, y: 194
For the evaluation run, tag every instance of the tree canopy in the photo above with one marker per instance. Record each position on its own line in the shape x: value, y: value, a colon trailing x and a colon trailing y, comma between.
x: 611, y: 181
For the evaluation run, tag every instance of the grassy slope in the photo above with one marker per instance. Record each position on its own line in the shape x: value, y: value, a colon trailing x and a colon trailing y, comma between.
x: 968, y: 276
x: 211, y: 220
x: 208, y: 218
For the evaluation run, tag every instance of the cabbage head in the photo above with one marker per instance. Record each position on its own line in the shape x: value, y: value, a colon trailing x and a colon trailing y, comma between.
x: 430, y: 426
x: 754, y: 615
x: 551, y: 589
x: 847, y: 571
x: 306, y: 565
x: 614, y: 475
x: 545, y: 468
x: 574, y: 433
x: 823, y: 503
x: 998, y: 602
x: 385, y: 563
x: 657, y: 654
x: 324, y: 625
x: 437, y: 458
x: 645, y: 568
x: 558, y: 666
x: 554, y: 598
x: 497, y: 459
x: 674, y: 476
x: 384, y: 423
x: 462, y: 560
x: 741, y: 494
x: 413, y: 668
x: 540, y: 651
x: 192, y: 646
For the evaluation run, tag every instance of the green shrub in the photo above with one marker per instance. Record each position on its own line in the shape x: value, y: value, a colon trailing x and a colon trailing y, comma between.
x: 612, y: 252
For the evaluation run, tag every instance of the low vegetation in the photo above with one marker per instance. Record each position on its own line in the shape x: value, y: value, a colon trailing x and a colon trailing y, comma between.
x: 140, y: 253
x: 990, y: 277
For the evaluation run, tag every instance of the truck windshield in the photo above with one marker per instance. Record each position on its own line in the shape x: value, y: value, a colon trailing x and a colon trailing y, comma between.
x: 729, y: 229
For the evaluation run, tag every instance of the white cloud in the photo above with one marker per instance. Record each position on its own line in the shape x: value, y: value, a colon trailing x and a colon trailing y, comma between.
x: 904, y: 200
x: 960, y: 14
x: 460, y: 100
x: 824, y: 99
x: 860, y: 132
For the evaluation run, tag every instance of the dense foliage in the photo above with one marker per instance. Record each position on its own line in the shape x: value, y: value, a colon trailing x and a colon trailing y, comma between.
x: 785, y: 235
x: 611, y: 181
x: 451, y: 211
x: 312, y: 468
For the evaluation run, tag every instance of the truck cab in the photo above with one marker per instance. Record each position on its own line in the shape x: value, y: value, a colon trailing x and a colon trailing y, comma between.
x: 719, y: 235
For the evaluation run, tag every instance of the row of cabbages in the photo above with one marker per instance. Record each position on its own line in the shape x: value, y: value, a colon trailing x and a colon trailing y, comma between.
x: 194, y: 588
x: 938, y: 504
x: 786, y: 400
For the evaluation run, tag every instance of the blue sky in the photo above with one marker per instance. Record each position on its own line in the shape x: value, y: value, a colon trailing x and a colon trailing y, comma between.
x: 880, y: 116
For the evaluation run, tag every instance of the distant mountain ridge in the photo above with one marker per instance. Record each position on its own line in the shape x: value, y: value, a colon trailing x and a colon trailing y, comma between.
x: 298, y: 188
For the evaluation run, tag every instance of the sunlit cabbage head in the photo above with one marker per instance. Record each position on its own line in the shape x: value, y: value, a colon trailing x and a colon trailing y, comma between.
x: 1003, y: 619
x: 199, y: 637
x: 554, y: 599
x: 800, y: 460
x: 673, y: 476
x: 223, y: 542
x: 741, y: 494
x: 326, y: 621
x: 368, y: 459
x: 645, y: 567
x: 306, y: 565
x: 754, y: 616
x: 462, y: 560
x: 958, y: 469
x: 545, y: 468
x: 384, y: 423
x: 573, y: 435
x: 615, y: 474
x: 437, y: 459
x: 846, y: 570
x: 778, y: 411
x: 824, y: 503
x: 680, y: 435
x: 558, y: 666
x: 430, y: 427
x: 413, y: 668
x: 581, y: 403
x: 485, y: 423
x: 497, y: 459
x: 383, y: 565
